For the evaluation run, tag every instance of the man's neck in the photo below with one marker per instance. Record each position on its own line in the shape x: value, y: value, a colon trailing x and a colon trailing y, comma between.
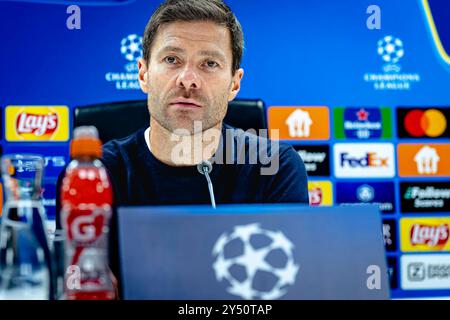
x: 183, y: 150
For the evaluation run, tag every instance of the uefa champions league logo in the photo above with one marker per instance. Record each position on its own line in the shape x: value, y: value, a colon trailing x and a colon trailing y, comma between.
x: 131, y: 47
x: 131, y: 50
x: 391, y: 51
x: 271, y: 259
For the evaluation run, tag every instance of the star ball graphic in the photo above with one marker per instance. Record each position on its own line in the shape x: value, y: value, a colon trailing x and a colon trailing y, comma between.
x: 240, y: 260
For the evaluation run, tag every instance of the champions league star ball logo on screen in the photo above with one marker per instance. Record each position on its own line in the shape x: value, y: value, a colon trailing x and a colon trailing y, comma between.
x: 255, y: 263
x: 131, y: 50
x: 131, y: 47
x: 391, y: 50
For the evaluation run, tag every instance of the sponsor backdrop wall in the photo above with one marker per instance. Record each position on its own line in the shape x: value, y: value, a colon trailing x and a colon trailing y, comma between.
x: 368, y: 110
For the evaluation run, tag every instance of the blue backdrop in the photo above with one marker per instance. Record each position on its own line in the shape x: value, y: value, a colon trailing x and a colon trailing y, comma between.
x: 297, y: 53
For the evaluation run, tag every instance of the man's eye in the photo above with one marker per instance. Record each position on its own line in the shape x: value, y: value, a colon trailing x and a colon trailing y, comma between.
x: 170, y: 60
x: 211, y: 64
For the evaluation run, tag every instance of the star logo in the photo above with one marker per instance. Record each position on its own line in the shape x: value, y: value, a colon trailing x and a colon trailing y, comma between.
x: 253, y: 260
x: 362, y: 115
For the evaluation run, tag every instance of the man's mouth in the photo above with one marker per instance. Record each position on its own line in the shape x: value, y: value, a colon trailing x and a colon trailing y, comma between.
x: 185, y: 103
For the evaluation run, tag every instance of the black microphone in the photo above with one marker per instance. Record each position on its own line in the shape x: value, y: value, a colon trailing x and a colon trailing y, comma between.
x: 205, y: 168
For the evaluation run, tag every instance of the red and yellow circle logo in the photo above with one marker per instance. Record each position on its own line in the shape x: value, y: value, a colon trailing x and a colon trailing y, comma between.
x: 431, y: 123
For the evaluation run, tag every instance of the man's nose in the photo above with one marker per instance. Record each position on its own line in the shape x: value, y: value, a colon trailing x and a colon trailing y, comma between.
x: 188, y: 78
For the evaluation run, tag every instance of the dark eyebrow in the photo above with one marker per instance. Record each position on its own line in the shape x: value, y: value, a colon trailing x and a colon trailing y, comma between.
x: 171, y: 49
x: 214, y: 54
x: 210, y: 53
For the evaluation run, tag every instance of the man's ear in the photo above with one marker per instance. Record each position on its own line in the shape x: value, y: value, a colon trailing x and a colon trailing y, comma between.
x: 143, y: 75
x: 236, y: 84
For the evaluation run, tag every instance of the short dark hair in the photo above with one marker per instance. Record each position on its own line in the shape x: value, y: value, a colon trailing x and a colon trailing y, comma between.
x: 196, y: 10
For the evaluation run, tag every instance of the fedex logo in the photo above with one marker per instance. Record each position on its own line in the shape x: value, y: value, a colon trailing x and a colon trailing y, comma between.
x: 356, y: 160
x: 371, y: 159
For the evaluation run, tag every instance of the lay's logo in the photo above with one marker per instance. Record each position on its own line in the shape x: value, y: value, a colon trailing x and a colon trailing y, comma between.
x: 429, y: 235
x: 39, y: 125
x: 320, y: 193
x: 36, y: 123
x: 425, y: 234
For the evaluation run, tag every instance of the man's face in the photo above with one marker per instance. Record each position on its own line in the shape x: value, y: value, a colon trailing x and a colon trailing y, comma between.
x: 188, y: 76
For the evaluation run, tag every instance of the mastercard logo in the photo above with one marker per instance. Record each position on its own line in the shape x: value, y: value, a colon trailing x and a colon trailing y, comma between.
x: 430, y: 123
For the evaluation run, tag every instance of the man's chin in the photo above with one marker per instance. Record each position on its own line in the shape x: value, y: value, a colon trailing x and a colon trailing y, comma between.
x: 191, y: 127
x: 187, y: 128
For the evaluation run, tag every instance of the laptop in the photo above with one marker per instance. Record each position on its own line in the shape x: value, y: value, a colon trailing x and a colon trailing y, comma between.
x: 252, y: 252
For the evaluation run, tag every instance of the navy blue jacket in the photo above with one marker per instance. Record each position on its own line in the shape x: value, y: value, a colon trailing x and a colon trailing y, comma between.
x: 141, y: 179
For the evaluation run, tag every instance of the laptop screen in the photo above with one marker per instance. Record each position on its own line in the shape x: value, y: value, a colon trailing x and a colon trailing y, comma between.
x: 252, y: 252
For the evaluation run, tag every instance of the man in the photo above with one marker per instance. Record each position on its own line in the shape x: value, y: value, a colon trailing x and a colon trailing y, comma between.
x: 190, y: 70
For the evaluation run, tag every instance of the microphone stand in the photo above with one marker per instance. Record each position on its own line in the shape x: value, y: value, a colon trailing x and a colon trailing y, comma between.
x: 205, y: 167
